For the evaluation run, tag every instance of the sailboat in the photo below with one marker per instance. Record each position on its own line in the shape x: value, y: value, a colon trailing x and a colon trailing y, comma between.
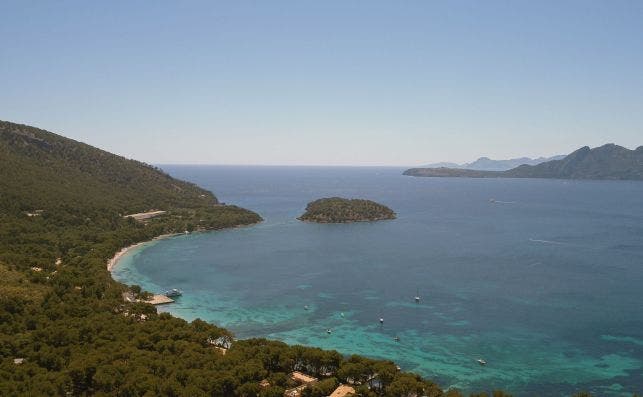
x: 417, y: 296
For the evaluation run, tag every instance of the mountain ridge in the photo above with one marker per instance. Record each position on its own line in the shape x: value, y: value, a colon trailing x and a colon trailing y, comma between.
x: 486, y: 164
x: 608, y: 161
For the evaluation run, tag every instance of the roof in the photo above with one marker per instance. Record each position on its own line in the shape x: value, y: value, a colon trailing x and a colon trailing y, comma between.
x: 301, y: 377
x: 144, y: 215
x: 343, y: 391
x: 294, y: 392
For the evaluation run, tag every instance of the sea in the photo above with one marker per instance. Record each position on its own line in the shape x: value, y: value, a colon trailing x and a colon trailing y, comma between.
x: 540, y: 278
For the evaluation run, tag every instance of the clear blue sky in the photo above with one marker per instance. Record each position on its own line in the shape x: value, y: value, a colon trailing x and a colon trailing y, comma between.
x: 326, y: 82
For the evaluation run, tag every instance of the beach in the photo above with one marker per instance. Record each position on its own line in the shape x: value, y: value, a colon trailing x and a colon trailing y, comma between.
x: 111, y: 264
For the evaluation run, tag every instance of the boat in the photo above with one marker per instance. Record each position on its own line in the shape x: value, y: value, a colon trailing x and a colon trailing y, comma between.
x: 173, y: 293
x: 481, y: 361
x: 397, y: 339
x: 381, y: 320
x: 328, y: 331
x: 417, y: 296
x: 305, y: 307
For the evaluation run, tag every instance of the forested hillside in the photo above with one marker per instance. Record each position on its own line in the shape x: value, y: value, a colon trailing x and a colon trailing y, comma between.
x: 41, y: 169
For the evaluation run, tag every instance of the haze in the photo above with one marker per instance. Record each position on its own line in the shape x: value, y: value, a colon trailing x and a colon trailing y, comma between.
x: 326, y: 83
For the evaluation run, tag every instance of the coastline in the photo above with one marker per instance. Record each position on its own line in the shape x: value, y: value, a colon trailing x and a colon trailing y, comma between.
x: 113, y: 262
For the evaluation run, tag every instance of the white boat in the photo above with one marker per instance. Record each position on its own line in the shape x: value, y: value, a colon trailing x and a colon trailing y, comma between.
x: 381, y: 320
x: 481, y: 361
x: 417, y: 296
x: 173, y: 293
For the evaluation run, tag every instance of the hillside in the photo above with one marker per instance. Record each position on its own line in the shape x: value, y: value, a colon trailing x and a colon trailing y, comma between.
x: 48, y: 183
x: 341, y: 210
x: 40, y: 169
x: 605, y: 162
x: 64, y: 326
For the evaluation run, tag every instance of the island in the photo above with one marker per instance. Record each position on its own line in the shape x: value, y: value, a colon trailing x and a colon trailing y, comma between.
x: 342, y: 210
x: 609, y: 161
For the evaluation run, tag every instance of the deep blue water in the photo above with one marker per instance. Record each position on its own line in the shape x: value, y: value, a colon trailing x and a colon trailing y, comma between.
x: 545, y: 283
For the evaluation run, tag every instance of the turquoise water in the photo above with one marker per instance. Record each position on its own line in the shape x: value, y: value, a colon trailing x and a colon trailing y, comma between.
x: 545, y: 283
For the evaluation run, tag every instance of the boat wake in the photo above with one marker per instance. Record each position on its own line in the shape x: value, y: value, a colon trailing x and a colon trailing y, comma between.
x: 534, y: 240
x: 494, y: 201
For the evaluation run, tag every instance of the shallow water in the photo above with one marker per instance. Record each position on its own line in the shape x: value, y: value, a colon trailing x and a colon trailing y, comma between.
x: 544, y: 283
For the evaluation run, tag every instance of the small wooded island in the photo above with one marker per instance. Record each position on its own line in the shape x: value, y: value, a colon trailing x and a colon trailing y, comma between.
x: 341, y: 210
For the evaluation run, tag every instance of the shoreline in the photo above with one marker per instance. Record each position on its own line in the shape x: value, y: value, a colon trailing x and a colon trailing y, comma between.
x: 113, y: 261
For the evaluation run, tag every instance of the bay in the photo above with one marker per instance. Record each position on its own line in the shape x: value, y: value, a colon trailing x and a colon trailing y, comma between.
x: 541, y: 278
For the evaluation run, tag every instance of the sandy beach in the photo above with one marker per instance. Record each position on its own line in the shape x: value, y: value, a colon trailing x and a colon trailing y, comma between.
x: 111, y: 264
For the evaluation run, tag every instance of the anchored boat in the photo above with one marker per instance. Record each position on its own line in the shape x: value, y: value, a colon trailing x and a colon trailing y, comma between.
x: 173, y: 293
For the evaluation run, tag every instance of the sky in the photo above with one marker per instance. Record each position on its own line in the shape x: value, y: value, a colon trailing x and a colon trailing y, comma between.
x: 326, y: 82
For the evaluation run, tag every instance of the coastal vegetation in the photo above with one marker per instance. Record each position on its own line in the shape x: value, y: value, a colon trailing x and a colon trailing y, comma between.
x: 341, y: 210
x: 65, y: 328
x: 605, y: 162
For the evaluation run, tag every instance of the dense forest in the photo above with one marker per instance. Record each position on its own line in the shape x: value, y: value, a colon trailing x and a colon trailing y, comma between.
x: 341, y: 210
x: 64, y: 326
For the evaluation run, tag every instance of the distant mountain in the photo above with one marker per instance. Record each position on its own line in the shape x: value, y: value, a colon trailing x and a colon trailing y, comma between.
x: 445, y: 165
x: 605, y: 162
x: 487, y: 164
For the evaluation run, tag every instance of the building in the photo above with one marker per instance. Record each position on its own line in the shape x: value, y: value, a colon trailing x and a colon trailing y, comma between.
x: 295, y: 391
x: 343, y: 391
x: 302, y: 378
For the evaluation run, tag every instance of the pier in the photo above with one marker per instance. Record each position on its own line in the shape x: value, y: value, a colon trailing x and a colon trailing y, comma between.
x: 160, y: 300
